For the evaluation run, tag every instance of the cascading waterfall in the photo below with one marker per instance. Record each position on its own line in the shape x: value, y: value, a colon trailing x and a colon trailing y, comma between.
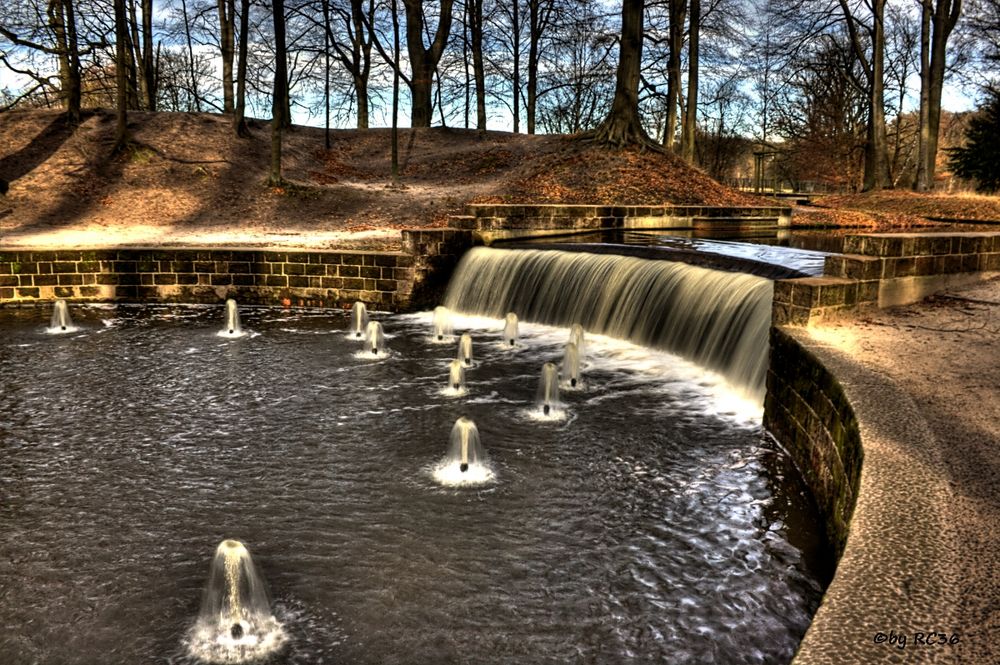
x: 235, y: 623
x: 719, y: 320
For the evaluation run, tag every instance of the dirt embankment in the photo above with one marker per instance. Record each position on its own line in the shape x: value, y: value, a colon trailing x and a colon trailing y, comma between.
x: 188, y: 180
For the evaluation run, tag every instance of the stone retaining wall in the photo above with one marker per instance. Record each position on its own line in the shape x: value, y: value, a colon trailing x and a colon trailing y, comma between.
x: 490, y: 222
x: 383, y: 280
x: 807, y: 411
x: 884, y: 270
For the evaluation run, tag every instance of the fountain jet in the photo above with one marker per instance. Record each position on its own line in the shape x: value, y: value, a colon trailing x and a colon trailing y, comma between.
x: 375, y: 338
x: 465, y: 447
x: 576, y: 337
x: 235, y: 623
x: 465, y: 349
x: 571, y: 366
x: 510, y: 329
x: 232, y: 319
x: 548, y: 389
x: 61, y: 321
x: 359, y: 320
x: 456, y: 375
x: 442, y: 323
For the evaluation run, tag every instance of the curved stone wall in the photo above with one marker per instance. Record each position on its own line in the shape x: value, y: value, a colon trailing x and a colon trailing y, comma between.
x: 807, y: 411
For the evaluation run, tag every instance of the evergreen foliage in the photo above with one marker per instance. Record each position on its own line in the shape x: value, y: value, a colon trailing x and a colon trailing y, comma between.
x: 979, y: 158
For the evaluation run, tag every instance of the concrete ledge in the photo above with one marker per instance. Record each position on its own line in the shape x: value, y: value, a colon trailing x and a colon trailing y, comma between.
x: 900, y: 558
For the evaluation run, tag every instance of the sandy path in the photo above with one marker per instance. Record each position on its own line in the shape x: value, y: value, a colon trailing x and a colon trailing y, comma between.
x: 944, y: 353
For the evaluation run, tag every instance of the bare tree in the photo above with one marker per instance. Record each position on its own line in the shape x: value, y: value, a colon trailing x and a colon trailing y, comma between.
x: 424, y: 59
x: 279, y: 99
x: 938, y: 19
x: 623, y: 125
x: 691, y: 112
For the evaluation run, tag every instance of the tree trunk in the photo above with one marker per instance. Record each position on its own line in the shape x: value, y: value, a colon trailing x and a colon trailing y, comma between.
x: 876, y: 154
x: 74, y: 92
x: 465, y: 62
x: 148, y: 64
x: 516, y: 49
x: 121, y: 124
x: 279, y: 101
x: 946, y: 14
x: 677, y: 9
x: 476, y: 20
x: 362, y: 58
x: 227, y: 9
x: 623, y: 125
x: 691, y: 113
x: 57, y: 23
x: 534, y: 37
x: 395, y: 94
x: 239, y: 120
x: 194, y: 75
x: 423, y: 61
x: 921, y: 182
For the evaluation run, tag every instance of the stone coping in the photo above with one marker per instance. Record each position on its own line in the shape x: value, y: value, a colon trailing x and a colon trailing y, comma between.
x: 901, y: 560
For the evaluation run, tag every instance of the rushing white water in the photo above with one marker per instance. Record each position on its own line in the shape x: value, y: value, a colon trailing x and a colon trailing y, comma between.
x: 719, y: 320
x: 548, y: 390
x: 235, y: 623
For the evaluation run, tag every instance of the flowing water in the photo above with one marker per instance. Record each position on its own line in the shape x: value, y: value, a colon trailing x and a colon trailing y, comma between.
x: 719, y: 320
x: 656, y: 522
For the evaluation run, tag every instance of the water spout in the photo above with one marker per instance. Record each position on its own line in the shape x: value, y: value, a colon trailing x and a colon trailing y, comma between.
x: 375, y: 338
x: 571, y: 366
x: 235, y: 623
x: 466, y: 462
x: 442, y: 324
x: 548, y: 390
x: 61, y: 321
x: 456, y: 377
x: 510, y: 330
x: 576, y: 336
x: 359, y: 320
x: 232, y: 327
x: 465, y: 349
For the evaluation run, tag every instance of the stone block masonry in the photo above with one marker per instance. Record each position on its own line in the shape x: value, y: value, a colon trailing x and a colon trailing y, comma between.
x: 807, y: 411
x: 382, y: 280
x: 885, y: 270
